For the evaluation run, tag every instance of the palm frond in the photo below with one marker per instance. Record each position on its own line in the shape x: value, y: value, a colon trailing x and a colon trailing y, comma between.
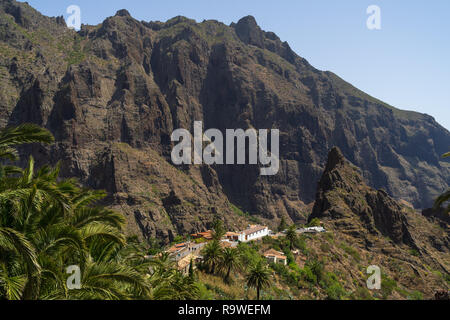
x: 88, y: 215
x: 441, y: 200
x: 97, y: 231
x: 8, y: 153
x: 12, y: 286
x: 25, y: 133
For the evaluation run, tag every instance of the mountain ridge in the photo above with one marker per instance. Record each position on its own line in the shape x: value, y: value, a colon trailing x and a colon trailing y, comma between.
x: 379, y: 230
x: 113, y: 93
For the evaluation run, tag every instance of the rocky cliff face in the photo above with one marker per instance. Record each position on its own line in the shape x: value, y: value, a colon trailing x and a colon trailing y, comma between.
x: 113, y: 93
x: 349, y: 204
x: 379, y: 230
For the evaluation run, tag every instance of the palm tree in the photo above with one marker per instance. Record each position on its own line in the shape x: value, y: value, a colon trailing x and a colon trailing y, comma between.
x: 445, y: 197
x: 191, y: 270
x: 172, y: 285
x: 212, y: 254
x: 48, y: 224
x: 291, y: 236
x: 63, y: 227
x: 259, y: 277
x: 13, y: 244
x: 218, y: 229
x: 283, y: 225
x: 231, y: 261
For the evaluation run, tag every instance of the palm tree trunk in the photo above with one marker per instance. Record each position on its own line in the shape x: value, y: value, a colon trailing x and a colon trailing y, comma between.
x: 227, y: 277
x: 257, y: 293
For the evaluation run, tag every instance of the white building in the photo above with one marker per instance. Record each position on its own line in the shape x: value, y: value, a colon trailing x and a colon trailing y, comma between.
x: 312, y: 230
x: 253, y: 233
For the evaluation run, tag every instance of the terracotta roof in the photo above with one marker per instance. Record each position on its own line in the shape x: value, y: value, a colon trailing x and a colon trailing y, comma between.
x: 253, y: 229
x: 183, y: 263
x: 274, y: 253
x: 207, y: 235
x: 231, y: 234
x: 176, y: 247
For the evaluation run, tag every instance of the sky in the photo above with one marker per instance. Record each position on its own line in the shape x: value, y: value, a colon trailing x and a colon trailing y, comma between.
x: 406, y: 63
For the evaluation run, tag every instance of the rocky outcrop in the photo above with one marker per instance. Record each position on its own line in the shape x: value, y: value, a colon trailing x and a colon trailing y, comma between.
x: 350, y: 205
x: 369, y: 224
x: 126, y: 85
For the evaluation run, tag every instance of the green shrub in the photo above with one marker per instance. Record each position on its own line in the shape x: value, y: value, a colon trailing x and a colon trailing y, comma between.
x: 250, y: 255
x: 335, y: 291
x: 280, y: 269
x: 290, y: 257
x: 308, y: 275
x: 387, y: 286
x: 317, y: 268
x: 351, y: 251
x: 332, y: 286
x: 415, y: 295
x: 314, y: 223
x: 362, y: 293
x: 178, y: 239
x: 300, y: 243
x: 203, y: 292
x: 295, y: 267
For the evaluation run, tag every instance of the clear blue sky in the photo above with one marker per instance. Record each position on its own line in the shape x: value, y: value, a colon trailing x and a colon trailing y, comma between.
x: 406, y: 63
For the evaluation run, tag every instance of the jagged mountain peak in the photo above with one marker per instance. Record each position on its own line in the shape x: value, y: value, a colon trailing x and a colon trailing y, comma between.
x: 349, y: 205
x: 126, y: 82
x: 335, y: 159
x: 370, y: 220
x: 249, y: 32
x: 123, y: 13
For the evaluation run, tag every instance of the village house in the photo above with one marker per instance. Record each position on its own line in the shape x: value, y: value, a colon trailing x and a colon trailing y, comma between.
x: 181, y: 250
x: 207, y: 235
x: 254, y: 232
x: 274, y: 256
x: 185, y: 262
x: 232, y: 236
x: 311, y: 230
x: 184, y: 253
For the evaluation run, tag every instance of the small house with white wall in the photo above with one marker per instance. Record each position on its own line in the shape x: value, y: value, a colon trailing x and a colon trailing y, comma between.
x: 253, y: 232
x: 274, y: 256
x: 313, y: 230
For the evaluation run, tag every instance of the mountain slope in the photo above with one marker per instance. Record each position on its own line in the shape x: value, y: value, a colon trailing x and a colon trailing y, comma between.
x: 113, y: 93
x: 374, y: 229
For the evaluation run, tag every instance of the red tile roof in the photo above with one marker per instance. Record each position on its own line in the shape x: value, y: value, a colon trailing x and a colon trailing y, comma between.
x: 274, y: 253
x: 207, y: 235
